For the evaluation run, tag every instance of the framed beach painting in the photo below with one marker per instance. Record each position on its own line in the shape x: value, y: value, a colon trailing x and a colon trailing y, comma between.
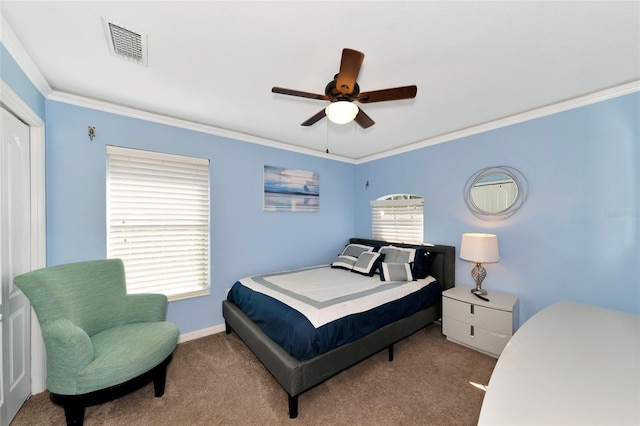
x: 291, y: 190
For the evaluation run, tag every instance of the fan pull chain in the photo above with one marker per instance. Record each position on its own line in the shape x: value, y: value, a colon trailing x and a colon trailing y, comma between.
x: 327, y: 151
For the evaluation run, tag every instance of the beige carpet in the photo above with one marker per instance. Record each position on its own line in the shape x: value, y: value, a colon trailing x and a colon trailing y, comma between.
x: 216, y: 380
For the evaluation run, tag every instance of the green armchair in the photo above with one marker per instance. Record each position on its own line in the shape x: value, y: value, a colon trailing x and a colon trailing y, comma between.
x: 100, y: 341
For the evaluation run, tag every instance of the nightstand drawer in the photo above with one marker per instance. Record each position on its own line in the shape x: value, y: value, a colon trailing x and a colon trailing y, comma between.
x: 479, y: 316
x: 475, y: 336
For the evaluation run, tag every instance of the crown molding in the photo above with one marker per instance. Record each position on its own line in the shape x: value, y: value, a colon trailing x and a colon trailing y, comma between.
x: 574, y: 103
x: 14, y: 47
x: 81, y: 101
x: 578, y: 102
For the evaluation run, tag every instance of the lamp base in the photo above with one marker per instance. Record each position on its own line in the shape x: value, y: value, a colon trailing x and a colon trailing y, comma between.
x: 478, y: 273
x: 479, y: 291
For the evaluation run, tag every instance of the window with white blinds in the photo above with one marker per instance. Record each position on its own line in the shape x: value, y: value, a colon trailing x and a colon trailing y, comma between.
x: 398, y: 218
x: 158, y: 221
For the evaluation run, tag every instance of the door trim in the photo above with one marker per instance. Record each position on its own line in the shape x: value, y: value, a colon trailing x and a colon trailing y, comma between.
x: 38, y: 219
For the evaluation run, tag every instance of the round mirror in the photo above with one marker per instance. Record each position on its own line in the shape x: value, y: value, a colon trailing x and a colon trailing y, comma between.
x: 495, y: 192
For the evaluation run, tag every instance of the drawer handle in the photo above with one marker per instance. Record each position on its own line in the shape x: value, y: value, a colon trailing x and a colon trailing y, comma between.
x: 471, y: 310
x: 471, y: 331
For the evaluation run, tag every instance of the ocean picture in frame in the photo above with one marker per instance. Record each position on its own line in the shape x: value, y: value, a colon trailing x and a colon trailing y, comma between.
x: 291, y: 190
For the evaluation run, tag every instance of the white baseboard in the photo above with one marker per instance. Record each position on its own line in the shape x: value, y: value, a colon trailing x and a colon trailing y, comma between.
x: 200, y: 333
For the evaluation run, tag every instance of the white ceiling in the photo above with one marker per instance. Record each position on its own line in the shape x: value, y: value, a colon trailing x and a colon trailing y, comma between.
x: 214, y: 62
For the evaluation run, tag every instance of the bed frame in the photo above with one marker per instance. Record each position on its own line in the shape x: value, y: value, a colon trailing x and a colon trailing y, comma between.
x: 295, y: 376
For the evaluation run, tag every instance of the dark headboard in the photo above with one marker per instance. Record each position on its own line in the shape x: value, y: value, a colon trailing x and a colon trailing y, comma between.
x: 443, y: 268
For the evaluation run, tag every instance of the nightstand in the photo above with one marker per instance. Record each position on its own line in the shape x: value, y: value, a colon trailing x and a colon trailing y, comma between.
x: 472, y: 322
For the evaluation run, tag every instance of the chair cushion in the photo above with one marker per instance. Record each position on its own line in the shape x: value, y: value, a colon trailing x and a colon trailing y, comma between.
x: 125, y: 352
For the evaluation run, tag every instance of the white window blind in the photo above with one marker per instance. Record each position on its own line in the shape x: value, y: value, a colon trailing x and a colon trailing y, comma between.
x: 158, y: 221
x: 399, y: 220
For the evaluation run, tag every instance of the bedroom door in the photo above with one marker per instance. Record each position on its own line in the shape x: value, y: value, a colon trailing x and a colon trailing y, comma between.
x: 15, y: 258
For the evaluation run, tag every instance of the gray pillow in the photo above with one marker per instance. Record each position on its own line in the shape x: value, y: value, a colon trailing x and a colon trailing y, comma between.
x: 344, y: 262
x: 355, y: 250
x: 367, y: 263
x: 395, y: 272
x: 398, y: 254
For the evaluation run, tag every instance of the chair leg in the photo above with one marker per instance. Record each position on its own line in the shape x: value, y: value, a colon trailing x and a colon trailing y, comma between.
x: 74, y: 405
x: 159, y: 379
x: 74, y: 413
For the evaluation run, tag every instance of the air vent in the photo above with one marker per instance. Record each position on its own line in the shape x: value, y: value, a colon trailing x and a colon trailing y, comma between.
x: 126, y: 43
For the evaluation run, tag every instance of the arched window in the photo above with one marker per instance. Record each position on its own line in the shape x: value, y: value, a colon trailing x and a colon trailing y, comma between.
x: 398, y: 218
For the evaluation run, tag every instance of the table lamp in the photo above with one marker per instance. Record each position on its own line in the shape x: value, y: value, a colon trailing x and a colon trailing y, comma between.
x: 479, y: 248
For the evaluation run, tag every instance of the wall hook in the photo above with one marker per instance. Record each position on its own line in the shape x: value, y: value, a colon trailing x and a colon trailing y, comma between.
x: 92, y: 133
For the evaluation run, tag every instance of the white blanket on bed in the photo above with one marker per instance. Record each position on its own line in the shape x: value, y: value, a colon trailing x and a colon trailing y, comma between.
x: 324, y: 294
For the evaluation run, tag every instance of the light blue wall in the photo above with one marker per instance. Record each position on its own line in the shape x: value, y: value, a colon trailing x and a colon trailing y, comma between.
x: 15, y: 78
x: 244, y: 239
x: 577, y: 236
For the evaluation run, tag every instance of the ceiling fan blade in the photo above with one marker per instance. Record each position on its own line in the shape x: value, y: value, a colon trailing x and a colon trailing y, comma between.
x: 349, y: 69
x: 363, y: 119
x: 313, y: 120
x: 298, y: 93
x: 395, y: 94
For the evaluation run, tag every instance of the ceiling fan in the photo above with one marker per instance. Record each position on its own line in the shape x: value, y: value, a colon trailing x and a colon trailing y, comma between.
x: 343, y: 90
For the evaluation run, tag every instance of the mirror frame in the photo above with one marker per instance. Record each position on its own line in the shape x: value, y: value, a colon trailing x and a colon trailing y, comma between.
x: 514, y: 174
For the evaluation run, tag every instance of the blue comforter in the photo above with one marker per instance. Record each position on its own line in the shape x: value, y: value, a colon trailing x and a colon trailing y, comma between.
x: 296, y: 335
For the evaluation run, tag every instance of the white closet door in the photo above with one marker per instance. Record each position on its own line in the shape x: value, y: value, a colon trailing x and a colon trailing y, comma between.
x: 15, y: 259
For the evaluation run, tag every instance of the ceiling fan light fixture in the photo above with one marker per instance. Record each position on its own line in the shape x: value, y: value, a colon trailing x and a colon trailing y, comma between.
x: 341, y: 112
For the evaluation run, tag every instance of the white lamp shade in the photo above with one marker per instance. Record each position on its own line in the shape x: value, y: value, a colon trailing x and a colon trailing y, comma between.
x: 479, y: 248
x: 341, y: 112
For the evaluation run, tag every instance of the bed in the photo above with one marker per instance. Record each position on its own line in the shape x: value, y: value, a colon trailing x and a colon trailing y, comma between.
x: 297, y: 372
x: 569, y: 364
